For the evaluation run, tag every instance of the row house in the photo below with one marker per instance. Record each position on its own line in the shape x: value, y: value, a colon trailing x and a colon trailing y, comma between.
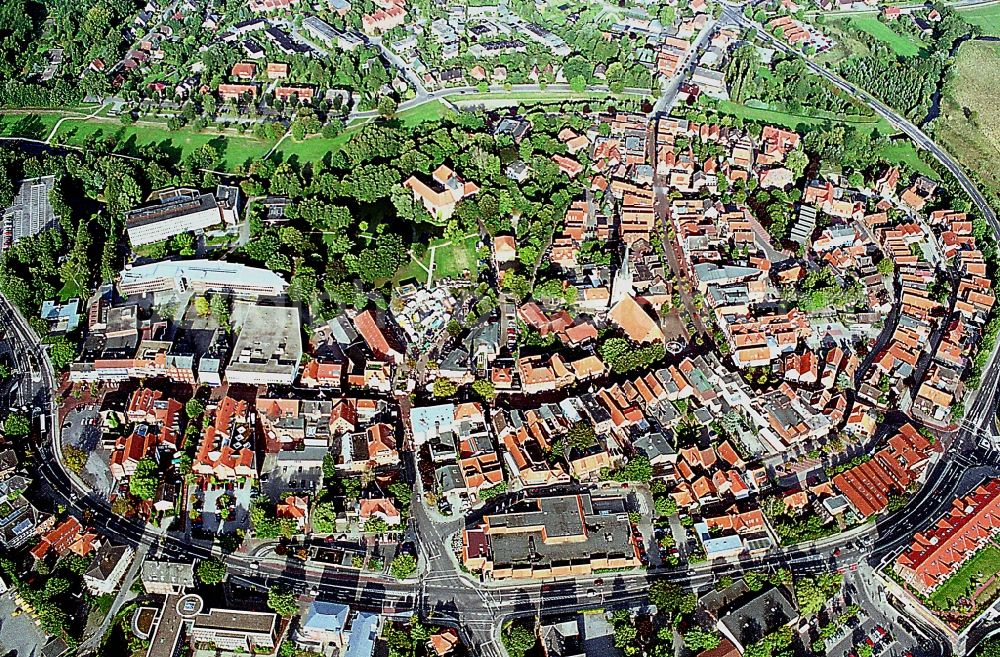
x: 937, y: 553
x: 893, y: 469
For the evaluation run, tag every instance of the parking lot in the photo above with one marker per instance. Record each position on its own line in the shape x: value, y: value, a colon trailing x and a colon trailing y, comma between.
x: 81, y: 428
x: 18, y: 634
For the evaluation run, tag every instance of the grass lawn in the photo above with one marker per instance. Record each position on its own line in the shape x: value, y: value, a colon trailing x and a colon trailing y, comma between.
x: 425, y: 112
x: 901, y: 44
x: 800, y: 121
x: 539, y: 96
x: 902, y: 151
x: 71, y: 290
x: 987, y: 17
x: 314, y: 149
x: 29, y: 126
x: 413, y: 270
x: 981, y: 567
x: 452, y: 260
x: 969, y: 125
x: 235, y: 150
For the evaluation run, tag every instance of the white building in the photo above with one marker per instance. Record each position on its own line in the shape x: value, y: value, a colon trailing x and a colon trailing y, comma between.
x: 182, y: 211
x: 201, y: 276
x: 108, y: 568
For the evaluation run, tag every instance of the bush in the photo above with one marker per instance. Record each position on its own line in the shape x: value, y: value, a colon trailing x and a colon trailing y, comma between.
x: 403, y: 566
x: 211, y: 572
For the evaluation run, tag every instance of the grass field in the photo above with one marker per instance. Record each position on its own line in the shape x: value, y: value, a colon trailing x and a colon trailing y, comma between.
x: 982, y: 566
x: 452, y: 260
x: 29, y: 126
x: 988, y: 18
x: 234, y: 149
x: 426, y: 112
x: 314, y: 149
x: 795, y: 121
x: 904, y: 152
x: 969, y: 125
x: 901, y: 44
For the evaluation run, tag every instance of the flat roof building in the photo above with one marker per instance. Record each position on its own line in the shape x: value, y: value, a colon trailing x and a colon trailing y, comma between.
x: 553, y: 536
x: 269, y: 347
x: 183, y: 212
x: 201, y: 276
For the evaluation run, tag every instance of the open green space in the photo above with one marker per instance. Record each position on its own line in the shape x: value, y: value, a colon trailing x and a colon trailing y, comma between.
x: 903, y: 45
x: 988, y: 18
x: 973, y: 573
x: 29, y: 126
x: 539, y: 96
x: 452, y: 259
x: 314, y: 149
x: 902, y: 151
x: 969, y: 125
x: 235, y: 150
x: 414, y: 270
x: 431, y: 111
x: 759, y: 112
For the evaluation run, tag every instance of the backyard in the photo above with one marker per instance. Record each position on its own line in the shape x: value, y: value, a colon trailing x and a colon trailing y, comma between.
x: 974, y: 573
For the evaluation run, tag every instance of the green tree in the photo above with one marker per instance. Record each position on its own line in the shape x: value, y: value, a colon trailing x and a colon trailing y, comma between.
x: 145, y: 480
x: 324, y: 518
x: 796, y: 162
x: 697, y: 639
x: 581, y: 435
x: 518, y: 638
x: 444, y: 388
x: 74, y: 457
x: 671, y: 598
x: 665, y: 506
x: 485, y: 389
x: 282, y: 602
x: 16, y: 426
x: 403, y: 494
x: 202, y: 306
x: 211, y: 571
x: 403, y: 566
x: 194, y: 409
x: 376, y: 526
x: 61, y: 350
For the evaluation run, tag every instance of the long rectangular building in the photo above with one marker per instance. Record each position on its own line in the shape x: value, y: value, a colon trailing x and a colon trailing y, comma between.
x: 201, y: 276
x: 184, y: 213
x: 936, y: 554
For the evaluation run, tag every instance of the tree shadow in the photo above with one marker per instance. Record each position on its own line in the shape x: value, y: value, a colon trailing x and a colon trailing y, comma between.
x: 29, y: 126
